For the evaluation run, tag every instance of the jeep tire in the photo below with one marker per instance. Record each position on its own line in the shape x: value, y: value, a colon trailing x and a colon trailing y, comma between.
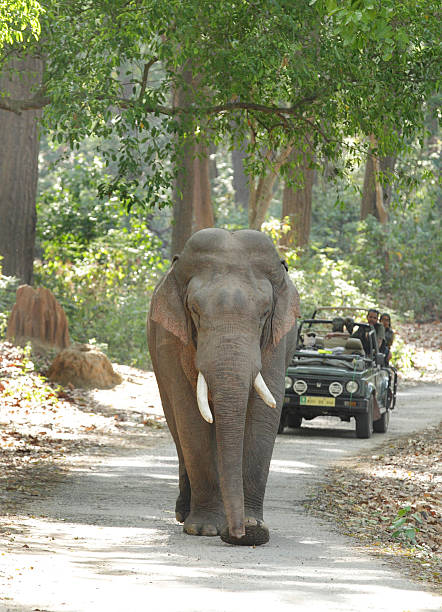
x: 381, y: 425
x: 364, y: 422
x: 294, y: 421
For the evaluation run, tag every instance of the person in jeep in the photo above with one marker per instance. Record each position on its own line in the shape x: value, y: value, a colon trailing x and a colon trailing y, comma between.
x: 389, y: 335
x: 362, y: 334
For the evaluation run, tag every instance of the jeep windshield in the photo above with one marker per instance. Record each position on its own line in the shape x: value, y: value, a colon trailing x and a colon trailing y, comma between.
x: 325, y: 341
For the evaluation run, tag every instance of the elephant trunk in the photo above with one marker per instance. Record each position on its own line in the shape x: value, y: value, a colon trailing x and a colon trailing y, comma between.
x: 230, y: 369
x: 230, y: 399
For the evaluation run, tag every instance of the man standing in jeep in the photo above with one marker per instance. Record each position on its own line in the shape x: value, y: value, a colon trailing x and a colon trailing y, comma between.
x: 362, y: 334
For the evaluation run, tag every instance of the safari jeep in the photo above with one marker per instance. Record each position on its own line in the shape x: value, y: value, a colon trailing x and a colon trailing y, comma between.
x: 331, y: 374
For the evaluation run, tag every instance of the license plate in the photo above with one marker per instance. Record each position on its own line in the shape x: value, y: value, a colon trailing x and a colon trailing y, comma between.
x: 311, y: 400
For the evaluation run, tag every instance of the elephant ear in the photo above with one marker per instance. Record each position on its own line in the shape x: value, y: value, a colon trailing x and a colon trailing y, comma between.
x: 167, y: 308
x: 286, y: 308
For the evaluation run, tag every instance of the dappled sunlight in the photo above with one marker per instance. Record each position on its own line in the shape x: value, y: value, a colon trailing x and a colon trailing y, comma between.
x: 163, y: 476
x: 126, y: 565
x: 169, y: 459
x: 290, y: 467
x: 397, y: 473
x: 328, y: 444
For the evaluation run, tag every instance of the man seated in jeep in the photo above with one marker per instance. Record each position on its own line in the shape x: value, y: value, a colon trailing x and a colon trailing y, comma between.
x: 362, y: 334
x: 337, y: 336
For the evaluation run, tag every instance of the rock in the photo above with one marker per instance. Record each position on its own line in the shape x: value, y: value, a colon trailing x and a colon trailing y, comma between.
x: 39, y: 318
x: 84, y: 366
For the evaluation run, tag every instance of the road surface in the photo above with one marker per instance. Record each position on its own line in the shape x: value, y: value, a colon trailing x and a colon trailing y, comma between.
x: 105, y: 539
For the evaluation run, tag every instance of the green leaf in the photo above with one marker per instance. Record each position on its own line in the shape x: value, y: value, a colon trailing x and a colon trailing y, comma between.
x: 403, y: 511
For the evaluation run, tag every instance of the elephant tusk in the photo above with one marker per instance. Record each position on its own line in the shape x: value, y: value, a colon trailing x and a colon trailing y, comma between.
x: 263, y: 391
x: 202, y: 397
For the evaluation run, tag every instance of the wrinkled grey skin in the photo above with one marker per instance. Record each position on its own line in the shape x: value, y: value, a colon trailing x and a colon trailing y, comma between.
x: 227, y: 309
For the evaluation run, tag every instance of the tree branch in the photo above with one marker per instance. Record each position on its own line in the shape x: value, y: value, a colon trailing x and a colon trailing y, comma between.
x: 40, y: 100
x: 270, y: 110
x: 229, y: 106
x: 37, y: 102
x: 147, y: 67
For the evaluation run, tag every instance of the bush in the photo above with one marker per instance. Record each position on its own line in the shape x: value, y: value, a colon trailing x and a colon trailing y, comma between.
x: 105, y: 290
x: 398, y: 262
x: 8, y: 288
x: 321, y: 279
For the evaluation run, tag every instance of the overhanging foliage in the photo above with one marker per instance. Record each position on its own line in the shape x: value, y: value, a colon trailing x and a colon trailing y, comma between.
x: 280, y: 69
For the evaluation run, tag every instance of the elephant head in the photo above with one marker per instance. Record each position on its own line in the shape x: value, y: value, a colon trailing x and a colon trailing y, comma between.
x: 229, y: 301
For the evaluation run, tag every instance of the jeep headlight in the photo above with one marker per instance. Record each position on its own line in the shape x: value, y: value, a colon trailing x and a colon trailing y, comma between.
x: 352, y: 386
x: 300, y: 386
x: 335, y: 388
x: 288, y: 382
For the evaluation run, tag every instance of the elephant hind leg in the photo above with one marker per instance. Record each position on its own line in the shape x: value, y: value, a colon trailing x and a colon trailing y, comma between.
x: 182, y: 506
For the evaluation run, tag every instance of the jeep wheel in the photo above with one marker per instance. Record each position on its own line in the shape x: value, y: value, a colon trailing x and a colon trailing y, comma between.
x: 364, y: 422
x: 294, y: 421
x: 381, y: 425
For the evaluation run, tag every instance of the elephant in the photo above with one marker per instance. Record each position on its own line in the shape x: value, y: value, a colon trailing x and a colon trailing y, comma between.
x: 221, y: 331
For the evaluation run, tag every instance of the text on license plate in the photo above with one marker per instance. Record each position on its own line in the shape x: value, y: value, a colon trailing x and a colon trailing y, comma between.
x: 311, y: 400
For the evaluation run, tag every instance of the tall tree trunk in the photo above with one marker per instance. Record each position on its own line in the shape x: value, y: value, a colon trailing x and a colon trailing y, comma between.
x: 261, y: 189
x: 376, y: 194
x: 202, y: 200
x: 240, y: 182
x: 192, y: 209
x: 297, y: 201
x: 183, y: 201
x: 19, y: 146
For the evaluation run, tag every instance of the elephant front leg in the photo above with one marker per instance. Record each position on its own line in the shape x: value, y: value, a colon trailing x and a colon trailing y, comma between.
x: 199, y: 508
x: 206, y: 516
x: 199, y: 505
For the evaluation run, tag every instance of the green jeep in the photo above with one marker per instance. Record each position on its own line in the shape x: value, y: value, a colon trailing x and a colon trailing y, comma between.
x: 331, y: 374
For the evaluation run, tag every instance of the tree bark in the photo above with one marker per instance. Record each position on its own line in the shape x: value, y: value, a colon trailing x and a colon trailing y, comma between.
x: 376, y: 194
x: 19, y: 146
x: 192, y: 209
x: 297, y: 202
x: 240, y: 182
x: 261, y: 191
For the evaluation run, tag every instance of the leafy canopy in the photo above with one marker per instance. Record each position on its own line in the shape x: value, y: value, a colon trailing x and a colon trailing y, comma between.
x: 280, y: 69
x: 19, y: 21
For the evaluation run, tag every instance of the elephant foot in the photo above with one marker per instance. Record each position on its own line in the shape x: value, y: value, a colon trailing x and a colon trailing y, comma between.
x: 201, y: 525
x: 257, y: 533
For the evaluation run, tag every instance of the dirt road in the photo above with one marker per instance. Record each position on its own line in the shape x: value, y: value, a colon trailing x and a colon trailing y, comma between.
x: 105, y: 539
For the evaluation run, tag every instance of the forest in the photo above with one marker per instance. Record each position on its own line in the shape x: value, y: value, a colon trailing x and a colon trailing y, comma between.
x: 127, y: 125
